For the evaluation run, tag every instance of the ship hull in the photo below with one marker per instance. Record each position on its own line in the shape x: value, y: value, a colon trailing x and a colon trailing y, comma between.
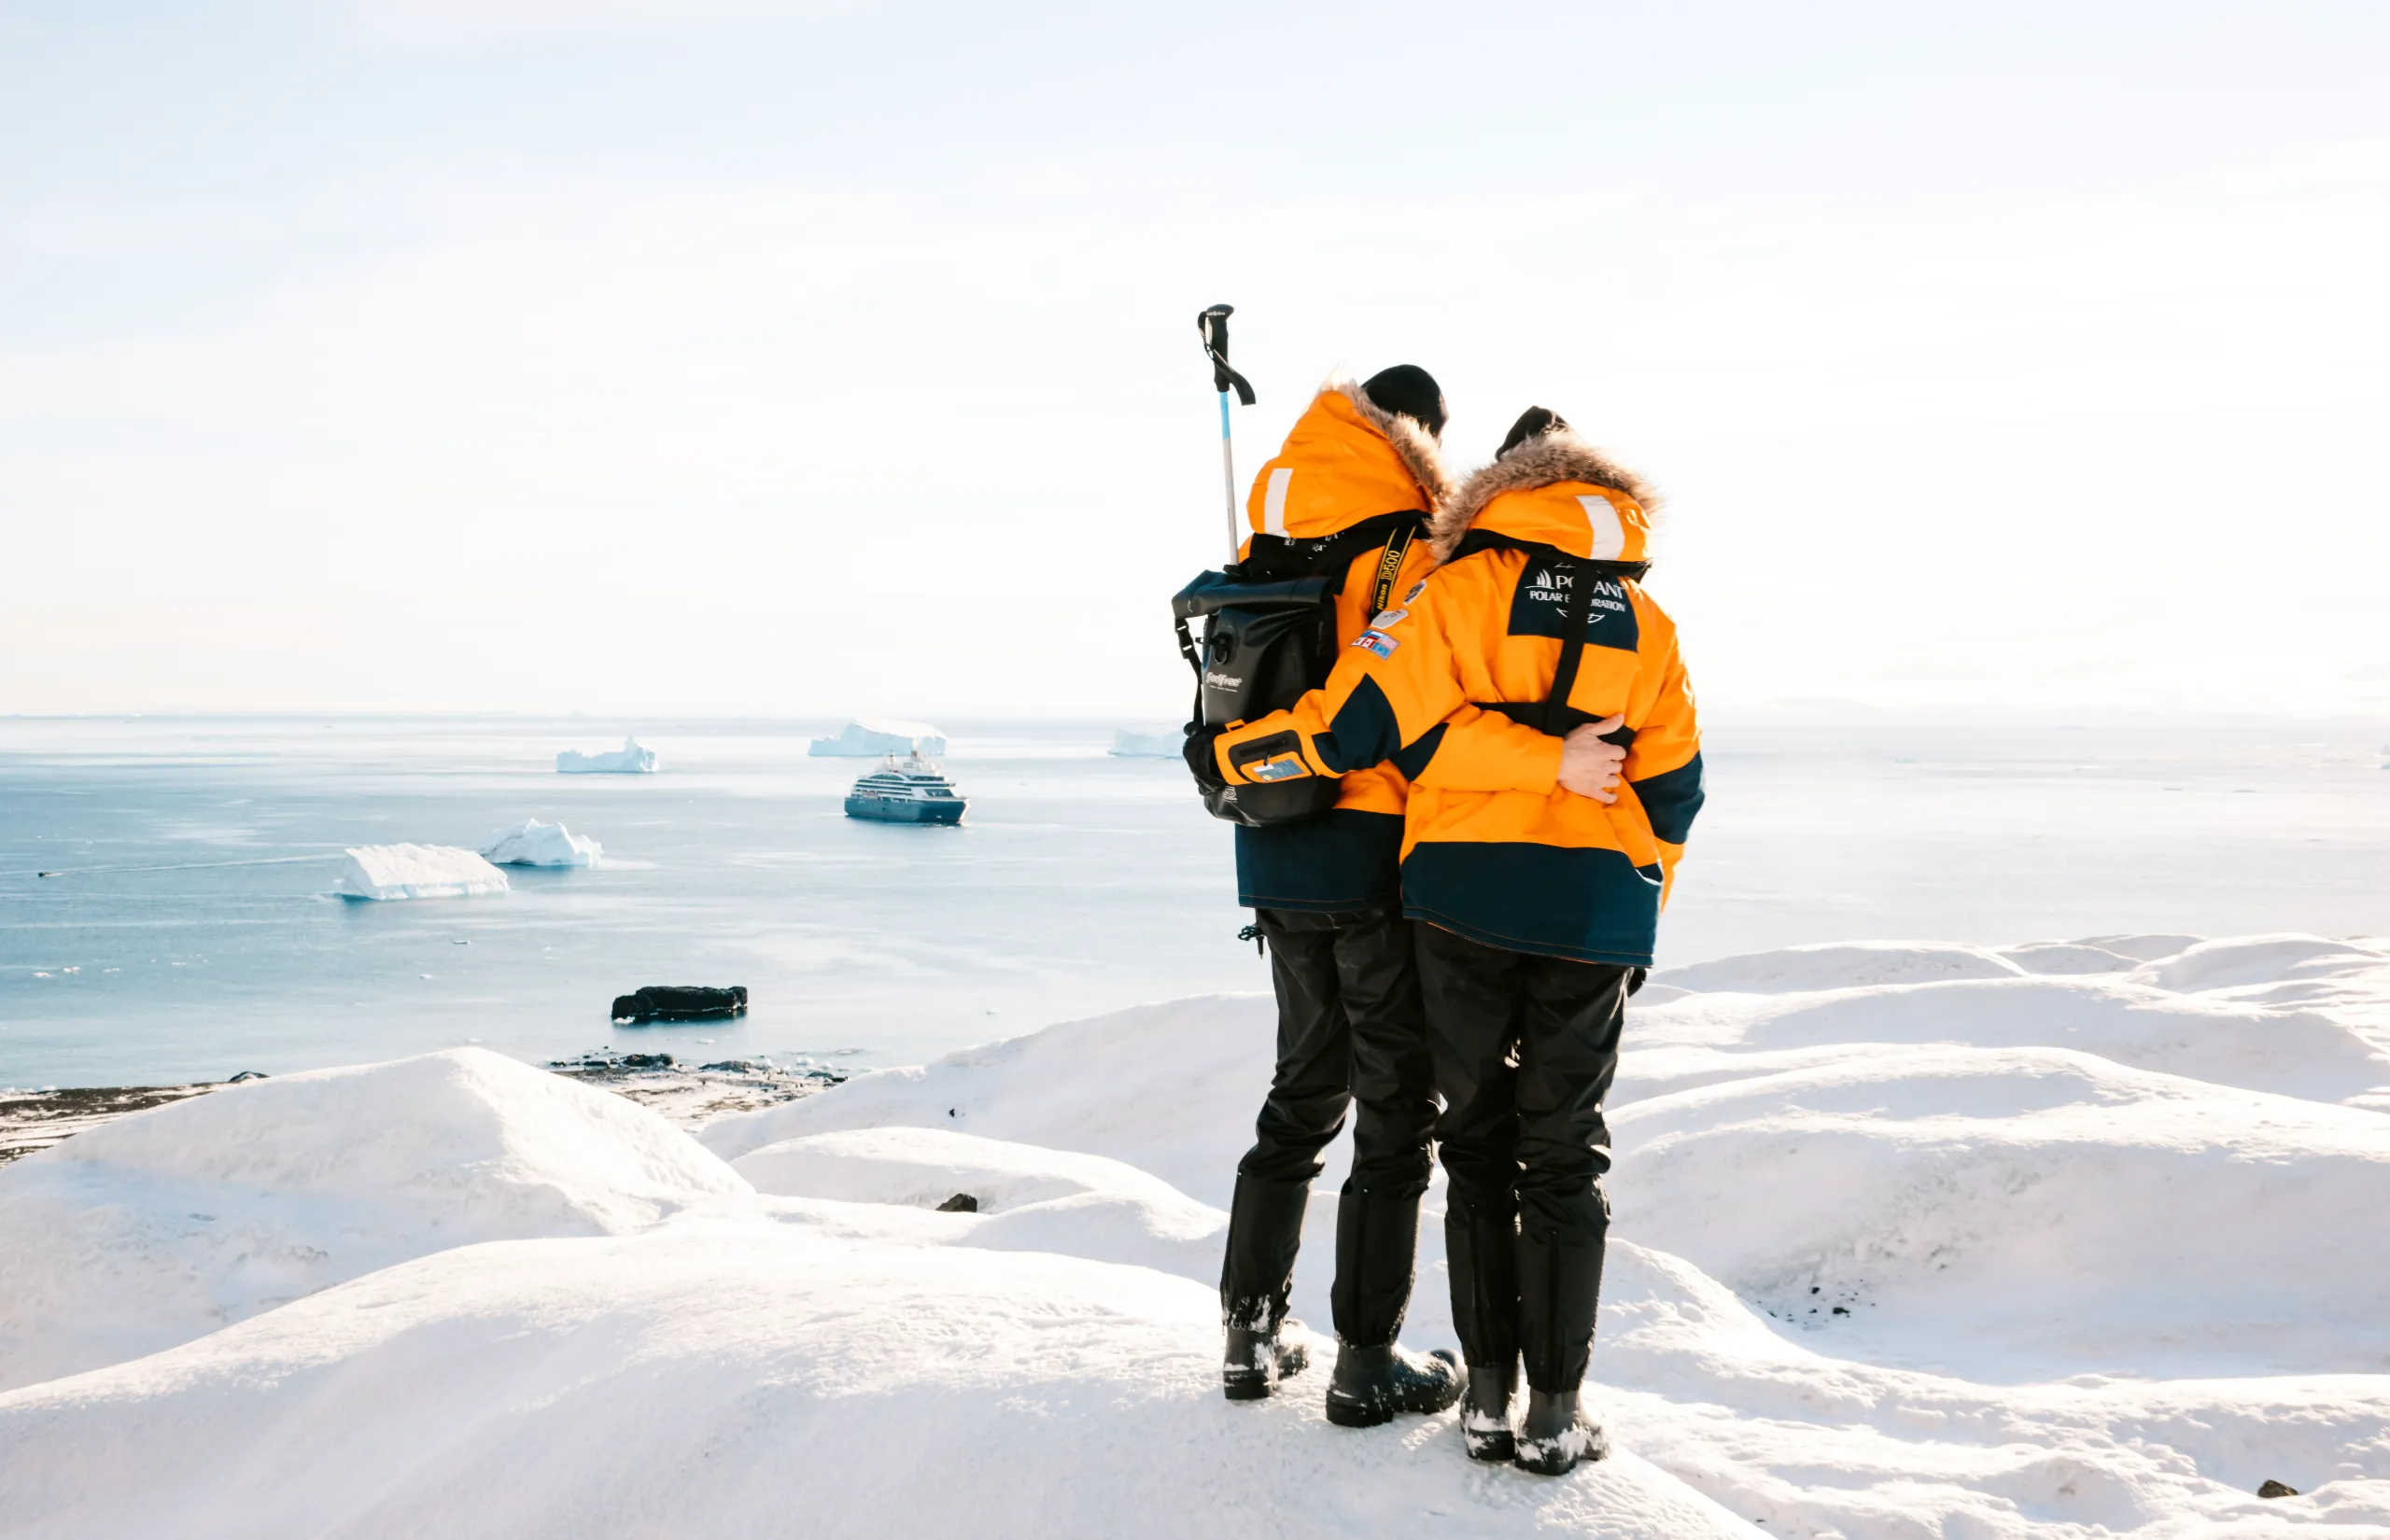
x: 887, y: 810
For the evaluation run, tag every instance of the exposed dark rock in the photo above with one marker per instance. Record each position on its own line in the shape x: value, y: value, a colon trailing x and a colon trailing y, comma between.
x: 961, y: 1203
x: 602, y: 1062
x: 35, y: 1120
x: 2275, y: 1488
x: 680, y: 1002
x: 246, y: 1074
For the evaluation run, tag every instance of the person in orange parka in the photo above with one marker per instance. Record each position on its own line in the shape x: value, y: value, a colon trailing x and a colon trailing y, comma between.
x: 1540, y: 904
x: 1361, y: 471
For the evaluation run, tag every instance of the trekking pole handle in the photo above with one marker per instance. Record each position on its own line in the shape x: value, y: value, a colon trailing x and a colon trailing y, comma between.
x: 1211, y: 323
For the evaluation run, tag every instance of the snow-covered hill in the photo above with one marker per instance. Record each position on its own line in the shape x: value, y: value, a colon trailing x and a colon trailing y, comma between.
x: 1912, y: 1241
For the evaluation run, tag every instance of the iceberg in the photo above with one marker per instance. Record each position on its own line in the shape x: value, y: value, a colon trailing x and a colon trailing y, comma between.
x: 417, y: 871
x: 631, y: 760
x: 1147, y: 743
x: 532, y: 843
x: 869, y: 737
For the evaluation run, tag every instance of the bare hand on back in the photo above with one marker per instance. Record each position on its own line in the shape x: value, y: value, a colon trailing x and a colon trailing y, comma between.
x: 1589, y: 766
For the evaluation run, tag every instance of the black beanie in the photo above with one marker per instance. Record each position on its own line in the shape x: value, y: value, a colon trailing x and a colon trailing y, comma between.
x: 1409, y: 391
x: 1533, y: 423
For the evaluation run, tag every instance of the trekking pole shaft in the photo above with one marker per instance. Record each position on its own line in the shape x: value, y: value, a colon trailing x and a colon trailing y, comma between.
x: 1228, y: 473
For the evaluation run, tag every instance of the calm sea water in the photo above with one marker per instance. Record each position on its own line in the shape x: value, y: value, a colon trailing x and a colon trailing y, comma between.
x: 194, y: 934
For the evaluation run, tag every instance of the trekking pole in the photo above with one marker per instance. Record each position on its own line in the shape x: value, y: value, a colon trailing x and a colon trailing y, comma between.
x: 1213, y: 325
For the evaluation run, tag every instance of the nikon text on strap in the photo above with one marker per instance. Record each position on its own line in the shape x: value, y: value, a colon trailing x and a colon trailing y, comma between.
x: 1389, y: 568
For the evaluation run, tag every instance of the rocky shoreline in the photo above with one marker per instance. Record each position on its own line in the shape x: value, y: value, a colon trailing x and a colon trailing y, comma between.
x: 689, y: 1096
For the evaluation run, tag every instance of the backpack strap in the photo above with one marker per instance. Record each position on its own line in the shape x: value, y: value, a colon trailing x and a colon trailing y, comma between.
x: 1485, y: 540
x: 1553, y: 714
x: 1269, y: 557
x: 1557, y: 714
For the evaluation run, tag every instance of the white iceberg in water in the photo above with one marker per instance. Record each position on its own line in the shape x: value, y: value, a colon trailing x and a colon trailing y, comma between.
x: 418, y: 871
x: 630, y: 761
x: 1147, y: 743
x: 869, y: 737
x: 532, y: 843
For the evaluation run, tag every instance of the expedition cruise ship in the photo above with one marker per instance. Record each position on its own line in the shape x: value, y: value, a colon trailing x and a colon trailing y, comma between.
x: 911, y: 792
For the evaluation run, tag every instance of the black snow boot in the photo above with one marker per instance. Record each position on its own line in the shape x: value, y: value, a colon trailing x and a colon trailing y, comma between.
x: 1557, y: 1435
x: 1372, y: 1384
x: 1256, y: 1361
x: 1485, y: 1412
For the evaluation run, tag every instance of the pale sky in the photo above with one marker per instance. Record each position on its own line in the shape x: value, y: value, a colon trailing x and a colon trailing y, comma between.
x: 744, y: 357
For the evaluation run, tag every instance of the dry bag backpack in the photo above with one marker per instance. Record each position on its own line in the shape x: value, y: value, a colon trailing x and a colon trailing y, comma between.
x: 1270, y: 635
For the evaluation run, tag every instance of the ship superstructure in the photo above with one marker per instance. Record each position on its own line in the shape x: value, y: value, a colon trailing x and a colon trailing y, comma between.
x: 908, y: 791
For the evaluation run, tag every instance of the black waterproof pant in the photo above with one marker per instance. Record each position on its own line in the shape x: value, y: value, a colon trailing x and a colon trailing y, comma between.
x: 1526, y: 1048
x: 1349, y: 1031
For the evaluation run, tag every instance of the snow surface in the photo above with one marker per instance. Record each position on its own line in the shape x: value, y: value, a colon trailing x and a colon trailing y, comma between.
x: 149, y: 1231
x: 1155, y: 742
x: 1846, y: 964
x: 532, y: 843
x: 629, y: 760
x: 2108, y: 1243
x: 417, y: 871
x: 869, y: 737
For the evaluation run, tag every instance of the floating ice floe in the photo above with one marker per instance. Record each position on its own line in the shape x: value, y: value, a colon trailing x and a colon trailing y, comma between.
x: 630, y: 760
x: 417, y: 872
x: 532, y: 843
x: 1147, y: 743
x: 869, y: 737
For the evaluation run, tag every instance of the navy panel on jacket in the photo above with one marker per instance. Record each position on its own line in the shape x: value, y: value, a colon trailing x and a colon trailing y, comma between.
x: 1342, y: 861
x: 1671, y: 798
x: 1536, y: 603
x: 1364, y: 731
x: 1589, y: 905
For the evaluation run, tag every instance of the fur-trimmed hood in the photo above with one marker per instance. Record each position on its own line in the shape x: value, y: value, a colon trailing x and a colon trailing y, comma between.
x: 1345, y: 459
x: 1549, y: 459
x: 1421, y: 454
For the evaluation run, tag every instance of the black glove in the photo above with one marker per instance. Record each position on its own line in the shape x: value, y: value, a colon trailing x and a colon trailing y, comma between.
x: 1635, y: 977
x: 1202, y: 757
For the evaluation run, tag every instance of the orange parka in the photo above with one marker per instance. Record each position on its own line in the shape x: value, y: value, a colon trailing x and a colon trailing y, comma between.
x: 1511, y: 858
x: 1346, y: 461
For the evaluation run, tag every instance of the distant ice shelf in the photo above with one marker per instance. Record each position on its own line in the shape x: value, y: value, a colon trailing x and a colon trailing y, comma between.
x: 1147, y: 743
x: 631, y: 760
x: 418, y: 871
x: 532, y: 843
x: 869, y: 737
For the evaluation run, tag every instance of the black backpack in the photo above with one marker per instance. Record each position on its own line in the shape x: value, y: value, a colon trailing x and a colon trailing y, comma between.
x: 1270, y: 635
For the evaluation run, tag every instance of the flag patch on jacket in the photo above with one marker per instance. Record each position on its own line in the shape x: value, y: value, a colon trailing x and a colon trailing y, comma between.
x: 1377, y: 642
